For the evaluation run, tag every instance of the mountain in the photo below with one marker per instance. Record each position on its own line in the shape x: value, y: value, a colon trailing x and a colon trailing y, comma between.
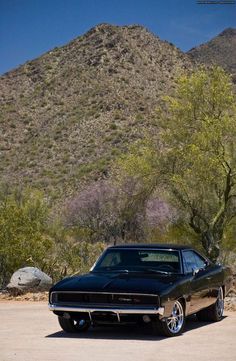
x: 66, y: 115
x: 220, y: 50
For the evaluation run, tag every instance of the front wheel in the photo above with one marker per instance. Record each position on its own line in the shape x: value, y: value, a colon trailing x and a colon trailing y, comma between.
x: 72, y: 326
x: 214, y: 312
x: 173, y: 325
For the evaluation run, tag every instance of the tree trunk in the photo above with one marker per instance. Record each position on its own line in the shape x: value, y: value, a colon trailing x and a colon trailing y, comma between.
x: 211, y: 245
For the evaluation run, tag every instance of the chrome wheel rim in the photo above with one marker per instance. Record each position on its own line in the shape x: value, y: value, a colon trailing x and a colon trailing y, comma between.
x: 220, y: 303
x: 176, y: 320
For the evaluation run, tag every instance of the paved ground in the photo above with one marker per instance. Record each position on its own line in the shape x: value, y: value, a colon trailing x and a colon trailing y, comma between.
x: 29, y: 332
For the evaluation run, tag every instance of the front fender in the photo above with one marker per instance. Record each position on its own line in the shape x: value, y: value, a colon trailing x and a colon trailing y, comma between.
x: 173, y: 293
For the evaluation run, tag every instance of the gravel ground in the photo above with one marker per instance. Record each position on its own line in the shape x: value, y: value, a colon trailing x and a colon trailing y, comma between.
x: 29, y: 332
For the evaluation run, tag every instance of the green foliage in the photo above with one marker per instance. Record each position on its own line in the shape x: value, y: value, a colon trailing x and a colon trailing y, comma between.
x: 28, y: 238
x: 195, y: 164
x: 141, y: 163
x: 113, y: 126
x: 198, y: 132
x: 23, y: 239
x: 74, y: 257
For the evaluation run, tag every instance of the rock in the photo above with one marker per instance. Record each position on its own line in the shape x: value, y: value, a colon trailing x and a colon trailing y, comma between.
x: 29, y: 279
x: 230, y: 303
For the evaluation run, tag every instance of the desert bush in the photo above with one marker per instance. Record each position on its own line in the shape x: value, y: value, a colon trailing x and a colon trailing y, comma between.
x: 30, y: 236
x: 93, y: 214
x: 23, y: 237
x: 72, y: 257
x: 107, y: 211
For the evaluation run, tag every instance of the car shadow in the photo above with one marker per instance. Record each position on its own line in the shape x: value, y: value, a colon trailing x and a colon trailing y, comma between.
x: 126, y: 332
x: 192, y: 323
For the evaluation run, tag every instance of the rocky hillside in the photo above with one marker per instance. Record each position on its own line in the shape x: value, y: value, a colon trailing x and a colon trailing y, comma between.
x: 67, y: 114
x: 220, y: 50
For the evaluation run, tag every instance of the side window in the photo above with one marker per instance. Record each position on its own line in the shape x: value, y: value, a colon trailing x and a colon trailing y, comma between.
x: 200, y: 261
x: 192, y: 260
x: 189, y: 261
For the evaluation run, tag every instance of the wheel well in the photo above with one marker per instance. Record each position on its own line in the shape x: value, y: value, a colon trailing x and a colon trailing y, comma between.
x: 223, y: 288
x: 183, y: 301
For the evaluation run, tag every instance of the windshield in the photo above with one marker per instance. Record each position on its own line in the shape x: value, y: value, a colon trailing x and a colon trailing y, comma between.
x: 139, y: 260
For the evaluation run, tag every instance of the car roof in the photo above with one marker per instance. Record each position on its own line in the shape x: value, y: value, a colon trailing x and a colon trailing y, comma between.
x: 152, y: 246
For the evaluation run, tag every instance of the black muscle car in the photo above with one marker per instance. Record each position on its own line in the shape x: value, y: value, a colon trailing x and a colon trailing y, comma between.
x: 157, y: 284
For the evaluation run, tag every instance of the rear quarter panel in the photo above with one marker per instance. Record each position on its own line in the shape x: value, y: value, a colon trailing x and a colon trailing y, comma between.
x: 228, y: 279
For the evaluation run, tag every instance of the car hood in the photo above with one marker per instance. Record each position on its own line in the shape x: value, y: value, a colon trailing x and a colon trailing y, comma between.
x: 117, y: 282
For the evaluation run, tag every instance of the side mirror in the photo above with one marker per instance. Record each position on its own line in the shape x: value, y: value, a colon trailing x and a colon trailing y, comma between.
x: 195, y: 271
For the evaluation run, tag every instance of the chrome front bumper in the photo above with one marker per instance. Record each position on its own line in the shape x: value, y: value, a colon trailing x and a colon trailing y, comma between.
x: 117, y: 310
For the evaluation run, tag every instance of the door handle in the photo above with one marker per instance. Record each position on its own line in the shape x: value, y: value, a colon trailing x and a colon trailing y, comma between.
x: 208, y: 278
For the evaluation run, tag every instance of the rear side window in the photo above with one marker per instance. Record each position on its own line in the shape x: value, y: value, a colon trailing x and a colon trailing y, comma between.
x: 192, y: 260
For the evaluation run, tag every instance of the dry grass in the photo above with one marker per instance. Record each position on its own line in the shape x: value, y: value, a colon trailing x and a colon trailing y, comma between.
x: 30, y: 296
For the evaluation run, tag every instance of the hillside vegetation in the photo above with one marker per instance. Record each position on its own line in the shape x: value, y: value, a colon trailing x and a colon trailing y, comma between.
x: 70, y: 112
x: 104, y: 140
x: 221, y: 50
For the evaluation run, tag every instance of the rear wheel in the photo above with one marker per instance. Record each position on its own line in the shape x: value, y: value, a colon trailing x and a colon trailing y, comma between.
x: 73, y: 326
x: 173, y: 325
x: 214, y: 312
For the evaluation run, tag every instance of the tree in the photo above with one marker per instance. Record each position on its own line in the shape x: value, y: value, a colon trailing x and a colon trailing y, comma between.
x: 93, y: 214
x: 103, y: 212
x: 193, y: 157
x: 199, y: 158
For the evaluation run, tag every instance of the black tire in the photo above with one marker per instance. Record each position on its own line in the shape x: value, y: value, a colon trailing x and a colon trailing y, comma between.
x: 213, y: 313
x: 72, y: 326
x: 167, y: 327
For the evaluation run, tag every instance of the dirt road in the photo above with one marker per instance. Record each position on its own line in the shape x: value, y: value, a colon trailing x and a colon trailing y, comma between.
x: 29, y: 332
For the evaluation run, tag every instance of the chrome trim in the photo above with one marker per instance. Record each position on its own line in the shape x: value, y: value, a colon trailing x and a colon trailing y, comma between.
x: 90, y: 317
x: 117, y: 310
x: 118, y: 316
x: 109, y: 293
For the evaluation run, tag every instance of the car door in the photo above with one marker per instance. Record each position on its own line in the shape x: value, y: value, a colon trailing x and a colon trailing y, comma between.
x: 199, y: 282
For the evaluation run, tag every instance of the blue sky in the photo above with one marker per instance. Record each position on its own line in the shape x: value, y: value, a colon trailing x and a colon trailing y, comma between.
x: 28, y: 28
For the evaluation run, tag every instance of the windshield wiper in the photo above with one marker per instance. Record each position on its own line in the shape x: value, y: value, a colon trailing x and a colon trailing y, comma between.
x: 126, y: 271
x: 111, y: 270
x: 152, y: 270
x: 122, y: 270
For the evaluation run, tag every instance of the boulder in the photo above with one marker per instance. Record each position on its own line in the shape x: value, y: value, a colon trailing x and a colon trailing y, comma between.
x: 29, y: 279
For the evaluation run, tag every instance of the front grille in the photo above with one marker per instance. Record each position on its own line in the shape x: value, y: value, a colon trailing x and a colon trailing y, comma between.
x: 103, y: 299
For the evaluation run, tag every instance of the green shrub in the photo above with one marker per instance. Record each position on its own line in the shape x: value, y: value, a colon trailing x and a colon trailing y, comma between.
x: 23, y: 239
